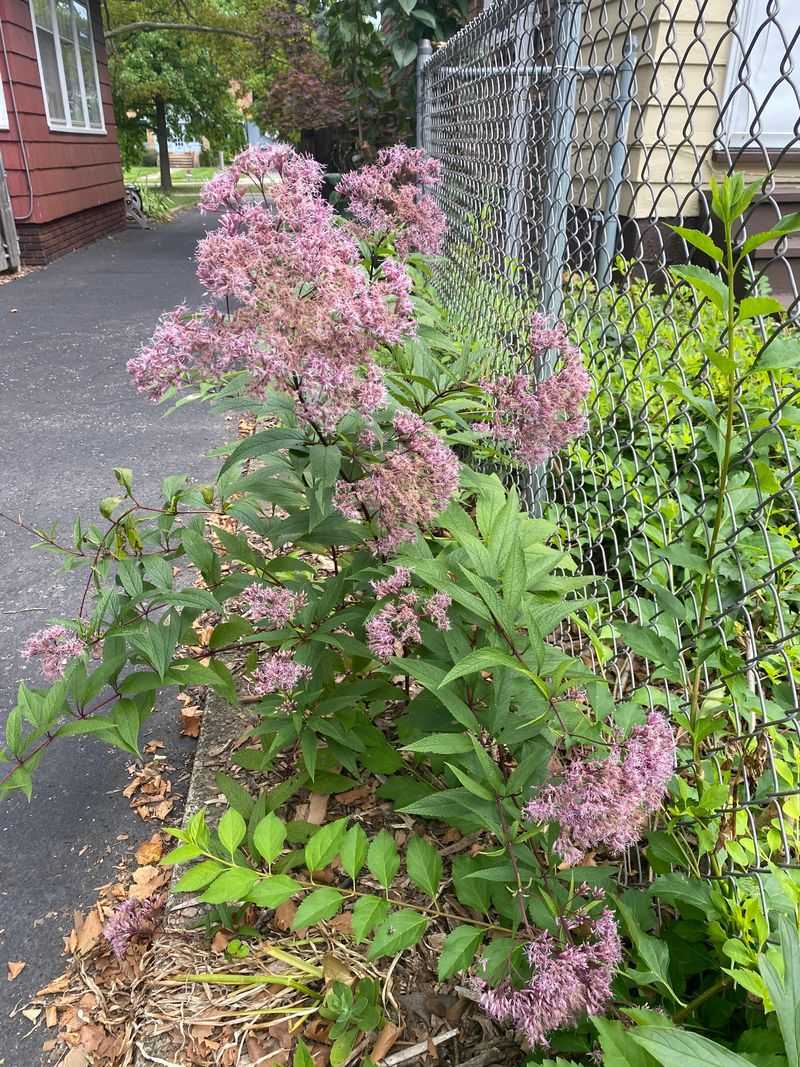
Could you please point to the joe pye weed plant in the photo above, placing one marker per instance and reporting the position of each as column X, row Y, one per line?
column 391, row 615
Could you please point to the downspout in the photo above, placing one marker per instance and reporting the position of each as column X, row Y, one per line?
column 22, row 146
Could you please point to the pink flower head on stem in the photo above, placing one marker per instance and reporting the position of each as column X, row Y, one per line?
column 278, row 672
column 272, row 602
column 132, row 919
column 568, row 981
column 534, row 421
column 389, row 196
column 56, row 646
column 608, row 801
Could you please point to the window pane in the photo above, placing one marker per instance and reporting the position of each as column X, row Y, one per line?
column 72, row 79
column 92, row 99
column 52, row 86
column 41, row 9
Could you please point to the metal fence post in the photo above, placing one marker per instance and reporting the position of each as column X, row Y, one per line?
column 517, row 168
column 424, row 53
column 561, row 108
column 618, row 155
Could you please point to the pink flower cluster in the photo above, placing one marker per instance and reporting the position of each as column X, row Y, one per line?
column 56, row 645
column 389, row 196
column 607, row 802
column 535, row 421
column 305, row 319
column 568, row 981
column 407, row 488
column 397, row 624
column 133, row 918
column 273, row 602
column 278, row 672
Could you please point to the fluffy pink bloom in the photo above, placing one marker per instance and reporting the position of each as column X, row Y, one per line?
column 392, row 585
column 278, row 672
column 273, row 602
column 397, row 624
column 436, row 610
column 389, row 196
column 133, row 918
column 535, row 420
column 607, row 802
column 407, row 489
column 568, row 981
column 302, row 316
column 56, row 645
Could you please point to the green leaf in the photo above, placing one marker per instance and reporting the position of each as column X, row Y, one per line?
column 424, row 865
column 325, row 844
column 232, row 830
column 199, row 876
column 269, row 836
column 482, row 659
column 441, row 744
column 700, row 240
column 232, row 887
column 705, row 283
column 458, row 950
column 236, row 795
column 470, row 784
column 227, row 633
column 781, row 354
column 679, row 1048
column 321, row 904
column 353, row 851
column 407, row 5
column 260, row 444
column 619, row 1049
column 653, row 952
column 431, row 678
column 302, row 1057
column 644, row 641
column 367, row 914
column 397, row 932
column 752, row 307
column 382, row 859
column 274, row 890
column 785, row 990
column 788, row 224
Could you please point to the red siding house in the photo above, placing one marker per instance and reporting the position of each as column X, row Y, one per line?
column 57, row 133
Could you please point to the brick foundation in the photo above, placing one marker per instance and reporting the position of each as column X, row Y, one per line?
column 40, row 244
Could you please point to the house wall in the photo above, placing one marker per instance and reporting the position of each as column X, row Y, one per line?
column 71, row 174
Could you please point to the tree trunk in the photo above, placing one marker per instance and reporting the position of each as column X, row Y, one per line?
column 163, row 143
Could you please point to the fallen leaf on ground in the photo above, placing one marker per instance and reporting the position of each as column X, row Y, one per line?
column 87, row 931
column 317, row 809
column 284, row 915
column 386, row 1040
column 31, row 1014
column 150, row 851
column 76, row 1057
column 220, row 941
column 190, row 721
column 15, row 969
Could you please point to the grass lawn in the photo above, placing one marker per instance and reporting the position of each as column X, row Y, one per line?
column 151, row 176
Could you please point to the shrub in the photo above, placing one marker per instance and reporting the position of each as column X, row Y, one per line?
column 392, row 611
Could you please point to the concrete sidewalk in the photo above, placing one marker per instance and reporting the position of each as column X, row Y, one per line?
column 68, row 414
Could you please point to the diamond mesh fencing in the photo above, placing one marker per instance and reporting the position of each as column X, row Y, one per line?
column 572, row 136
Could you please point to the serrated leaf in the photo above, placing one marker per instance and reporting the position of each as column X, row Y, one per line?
column 232, row 830
column 382, row 859
column 705, row 283
column 232, row 887
column 367, row 914
column 317, row 906
column 679, row 1048
column 199, row 876
column 424, row 865
column 458, row 950
column 399, row 931
column 700, row 240
column 353, row 851
column 269, row 836
column 325, row 844
column 274, row 890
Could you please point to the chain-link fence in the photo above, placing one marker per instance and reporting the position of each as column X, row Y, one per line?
column 573, row 134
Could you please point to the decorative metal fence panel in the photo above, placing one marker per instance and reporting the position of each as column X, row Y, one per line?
column 573, row 134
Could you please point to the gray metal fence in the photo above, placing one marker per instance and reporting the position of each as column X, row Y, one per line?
column 572, row 133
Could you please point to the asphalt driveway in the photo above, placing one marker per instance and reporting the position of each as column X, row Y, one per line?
column 68, row 414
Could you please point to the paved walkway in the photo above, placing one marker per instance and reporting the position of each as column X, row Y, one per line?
column 68, row 414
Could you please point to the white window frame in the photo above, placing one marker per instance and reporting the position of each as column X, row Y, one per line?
column 68, row 126
column 740, row 114
column 4, row 123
